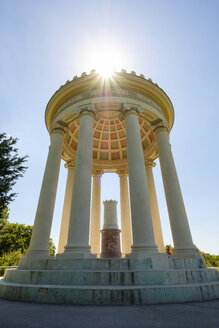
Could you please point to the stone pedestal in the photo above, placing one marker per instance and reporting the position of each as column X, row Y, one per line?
column 135, row 281
column 111, row 243
column 110, row 233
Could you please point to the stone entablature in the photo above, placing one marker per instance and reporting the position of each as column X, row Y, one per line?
column 95, row 96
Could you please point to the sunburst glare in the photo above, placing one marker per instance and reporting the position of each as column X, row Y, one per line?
column 106, row 61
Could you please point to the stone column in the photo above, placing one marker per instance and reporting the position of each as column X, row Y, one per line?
column 125, row 213
column 78, row 235
column 66, row 208
column 95, row 214
column 142, row 228
column 44, row 214
column 158, row 236
column 183, row 244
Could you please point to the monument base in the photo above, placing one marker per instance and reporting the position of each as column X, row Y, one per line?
column 110, row 282
column 111, row 243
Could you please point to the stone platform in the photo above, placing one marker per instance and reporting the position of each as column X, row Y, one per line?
column 110, row 282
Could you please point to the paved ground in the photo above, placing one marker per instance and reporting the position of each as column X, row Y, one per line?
column 22, row 315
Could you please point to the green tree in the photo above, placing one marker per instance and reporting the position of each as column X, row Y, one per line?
column 11, row 168
column 52, row 248
column 16, row 237
column 9, row 259
column 4, row 218
column 210, row 260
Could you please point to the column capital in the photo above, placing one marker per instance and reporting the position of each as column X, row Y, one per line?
column 158, row 126
column 122, row 173
column 88, row 110
column 131, row 109
column 149, row 163
column 69, row 165
column 97, row 173
column 59, row 127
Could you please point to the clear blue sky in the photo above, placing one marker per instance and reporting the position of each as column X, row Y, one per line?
column 45, row 43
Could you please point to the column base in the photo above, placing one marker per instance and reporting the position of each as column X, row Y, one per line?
column 158, row 260
column 143, row 251
column 185, row 252
column 34, row 255
column 190, row 254
column 78, row 252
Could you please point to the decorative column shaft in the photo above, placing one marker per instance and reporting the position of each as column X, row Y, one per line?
column 44, row 214
column 95, row 214
column 78, row 235
column 125, row 214
column 142, row 228
column 158, row 236
column 63, row 236
column 183, row 244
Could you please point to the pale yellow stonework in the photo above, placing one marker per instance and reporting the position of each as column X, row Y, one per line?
column 125, row 213
column 158, row 236
column 95, row 214
column 66, row 209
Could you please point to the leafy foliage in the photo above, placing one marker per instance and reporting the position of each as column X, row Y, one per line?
column 4, row 217
column 16, row 237
column 11, row 168
column 210, row 260
column 10, row 259
column 52, row 248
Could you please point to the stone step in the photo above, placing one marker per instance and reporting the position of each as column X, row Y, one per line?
column 88, row 264
column 109, row 295
column 111, row 277
column 108, row 264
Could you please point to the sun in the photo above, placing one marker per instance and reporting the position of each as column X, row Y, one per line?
column 106, row 61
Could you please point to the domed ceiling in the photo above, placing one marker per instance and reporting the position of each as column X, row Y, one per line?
column 109, row 137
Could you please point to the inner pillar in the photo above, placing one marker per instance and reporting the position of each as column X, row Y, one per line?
column 125, row 213
column 66, row 208
column 95, row 214
column 158, row 236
